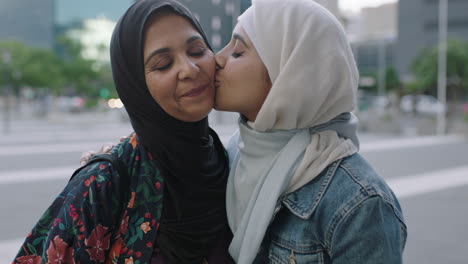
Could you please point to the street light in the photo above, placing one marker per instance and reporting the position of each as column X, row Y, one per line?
column 442, row 66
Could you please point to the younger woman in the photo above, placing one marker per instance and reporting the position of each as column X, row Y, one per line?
column 298, row 191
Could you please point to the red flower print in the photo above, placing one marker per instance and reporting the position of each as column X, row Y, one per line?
column 59, row 252
column 133, row 141
column 31, row 259
column 132, row 201
column 150, row 156
column 123, row 250
column 158, row 185
column 145, row 227
column 153, row 222
column 90, row 180
column 72, row 212
column 116, row 248
column 97, row 243
column 137, row 157
column 157, row 226
column 147, row 215
column 129, row 261
column 57, row 221
column 124, row 224
column 130, row 252
column 102, row 166
column 74, row 215
column 138, row 254
column 149, row 244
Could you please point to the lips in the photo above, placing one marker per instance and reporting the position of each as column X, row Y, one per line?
column 217, row 83
column 196, row 91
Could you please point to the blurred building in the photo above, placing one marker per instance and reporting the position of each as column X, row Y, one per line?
column 94, row 34
column 368, row 53
column 37, row 23
column 28, row 21
column 379, row 22
column 418, row 28
column 217, row 18
column 373, row 33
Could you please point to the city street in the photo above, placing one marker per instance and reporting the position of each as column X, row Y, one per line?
column 428, row 174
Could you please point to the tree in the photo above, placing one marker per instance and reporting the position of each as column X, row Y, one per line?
column 79, row 74
column 30, row 66
column 392, row 81
column 424, row 68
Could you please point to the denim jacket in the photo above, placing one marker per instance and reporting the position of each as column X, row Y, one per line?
column 346, row 215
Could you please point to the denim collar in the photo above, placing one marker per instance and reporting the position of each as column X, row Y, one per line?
column 303, row 202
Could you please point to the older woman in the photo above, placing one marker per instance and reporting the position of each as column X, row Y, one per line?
column 163, row 70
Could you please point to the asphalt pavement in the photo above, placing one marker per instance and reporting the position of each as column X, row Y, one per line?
column 429, row 174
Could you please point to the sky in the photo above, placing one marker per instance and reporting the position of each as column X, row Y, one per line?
column 70, row 10
column 355, row 5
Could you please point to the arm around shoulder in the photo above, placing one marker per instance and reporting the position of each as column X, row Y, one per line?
column 370, row 232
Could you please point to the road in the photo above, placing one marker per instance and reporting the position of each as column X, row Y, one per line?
column 428, row 174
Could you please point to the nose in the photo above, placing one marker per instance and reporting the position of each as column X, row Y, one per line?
column 188, row 69
column 220, row 61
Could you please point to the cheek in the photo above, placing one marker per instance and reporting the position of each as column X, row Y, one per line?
column 208, row 64
column 160, row 88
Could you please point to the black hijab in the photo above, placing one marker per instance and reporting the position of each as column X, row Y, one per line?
column 190, row 155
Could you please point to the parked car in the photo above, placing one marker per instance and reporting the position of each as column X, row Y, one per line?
column 425, row 104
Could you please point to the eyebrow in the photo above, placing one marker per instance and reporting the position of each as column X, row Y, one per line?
column 164, row 50
column 239, row 37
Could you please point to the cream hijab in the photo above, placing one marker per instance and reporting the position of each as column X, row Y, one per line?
column 305, row 123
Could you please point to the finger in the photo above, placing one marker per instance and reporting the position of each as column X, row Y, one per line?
column 86, row 156
column 106, row 148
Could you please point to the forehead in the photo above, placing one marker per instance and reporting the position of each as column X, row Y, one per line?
column 168, row 27
column 239, row 30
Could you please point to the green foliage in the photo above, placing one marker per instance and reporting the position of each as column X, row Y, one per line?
column 392, row 81
column 63, row 72
column 30, row 66
column 424, row 68
column 79, row 73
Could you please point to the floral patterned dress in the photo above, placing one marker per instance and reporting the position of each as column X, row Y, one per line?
column 81, row 225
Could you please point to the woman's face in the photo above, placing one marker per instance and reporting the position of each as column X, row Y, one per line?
column 179, row 68
column 242, row 82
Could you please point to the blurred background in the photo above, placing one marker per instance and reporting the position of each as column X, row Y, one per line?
column 57, row 100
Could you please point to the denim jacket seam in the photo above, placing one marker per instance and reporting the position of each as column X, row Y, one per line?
column 299, row 248
column 306, row 213
column 342, row 215
column 371, row 190
column 364, row 184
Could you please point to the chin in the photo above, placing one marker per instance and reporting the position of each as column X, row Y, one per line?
column 202, row 113
column 219, row 103
column 218, row 106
